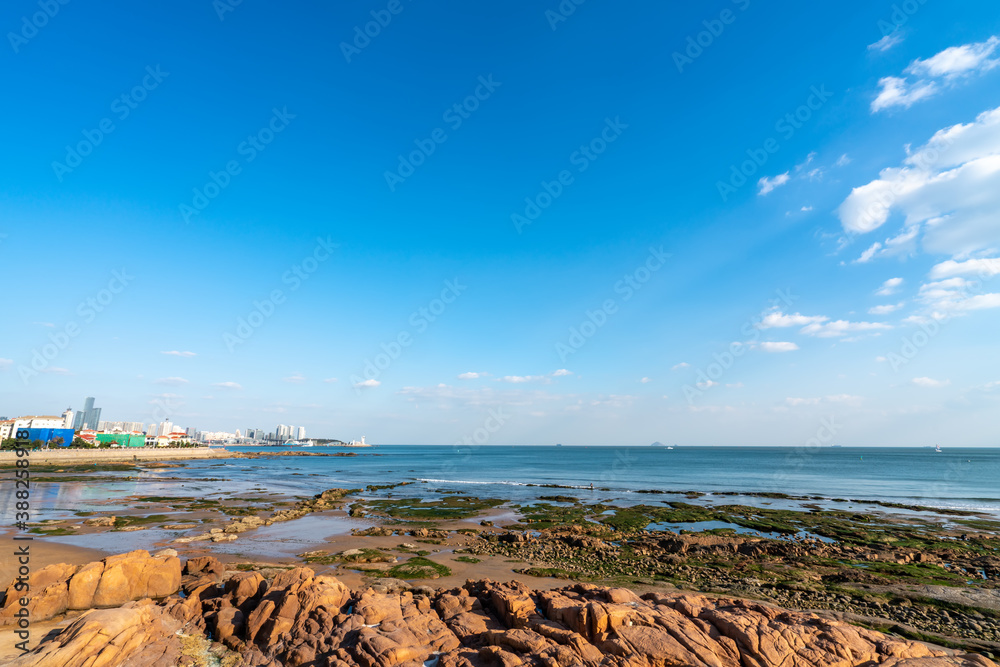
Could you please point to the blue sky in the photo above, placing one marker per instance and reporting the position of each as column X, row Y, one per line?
column 225, row 214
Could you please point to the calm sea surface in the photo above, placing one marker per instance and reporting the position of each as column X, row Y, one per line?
column 955, row 478
column 832, row 477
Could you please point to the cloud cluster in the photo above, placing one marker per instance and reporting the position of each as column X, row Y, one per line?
column 948, row 190
column 931, row 76
column 819, row 326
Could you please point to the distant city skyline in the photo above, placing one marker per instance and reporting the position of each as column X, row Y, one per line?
column 484, row 227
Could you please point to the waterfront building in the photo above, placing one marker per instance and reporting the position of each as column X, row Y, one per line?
column 89, row 417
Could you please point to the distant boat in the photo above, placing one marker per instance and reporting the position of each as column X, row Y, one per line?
column 558, row 444
column 937, row 448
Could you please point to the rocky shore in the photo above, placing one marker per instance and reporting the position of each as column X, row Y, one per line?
column 910, row 575
column 152, row 611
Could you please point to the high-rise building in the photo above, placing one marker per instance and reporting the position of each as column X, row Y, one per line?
column 300, row 432
column 283, row 432
column 89, row 417
column 68, row 418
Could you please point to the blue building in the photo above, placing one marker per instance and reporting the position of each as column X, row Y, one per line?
column 47, row 435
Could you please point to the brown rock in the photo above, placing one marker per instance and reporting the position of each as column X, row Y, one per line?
column 100, row 521
column 138, row 634
column 48, row 594
column 83, row 585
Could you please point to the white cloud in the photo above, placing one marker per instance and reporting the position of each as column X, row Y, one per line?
column 953, row 296
column 562, row 372
column 986, row 268
column 886, row 43
column 981, row 302
column 172, row 381
column 818, row 325
column 767, row 185
column 843, row 160
column 794, row 402
column 54, row 370
column 958, row 60
column 228, row 385
column 681, row 366
column 178, row 353
column 521, row 379
column 934, row 74
column 472, row 375
column 768, row 346
column 707, row 384
column 897, row 92
column 881, row 360
column 889, row 287
column 50, row 325
column 948, row 190
column 775, row 319
column 297, row 378
column 161, row 397
column 806, row 209
column 367, row 384
column 846, row 399
column 842, row 328
column 867, row 255
column 885, row 309
column 5, row 363
column 329, row 380
column 645, row 380
column 929, row 382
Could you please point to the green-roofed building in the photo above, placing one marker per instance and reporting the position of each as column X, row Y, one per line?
column 121, row 439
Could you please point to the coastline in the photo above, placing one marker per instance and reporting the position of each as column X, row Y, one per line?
column 8, row 459
column 925, row 572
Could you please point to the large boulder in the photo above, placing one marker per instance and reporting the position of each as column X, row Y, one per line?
column 111, row 582
column 138, row 634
